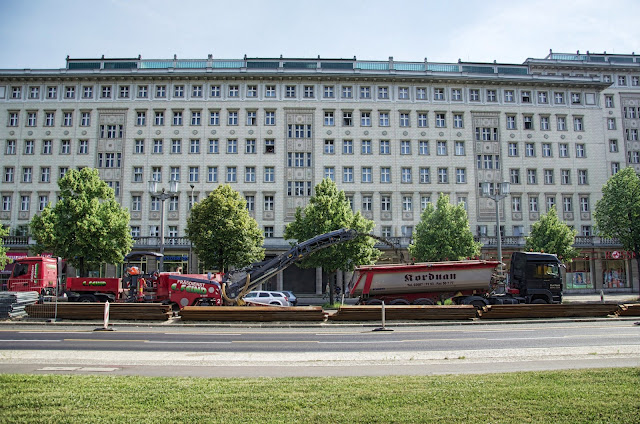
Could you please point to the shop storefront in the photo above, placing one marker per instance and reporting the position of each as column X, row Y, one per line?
column 579, row 276
column 176, row 262
column 614, row 270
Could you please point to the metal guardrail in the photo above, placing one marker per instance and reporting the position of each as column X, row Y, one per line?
column 279, row 243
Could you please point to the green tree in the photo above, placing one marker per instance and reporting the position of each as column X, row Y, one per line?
column 87, row 226
column 443, row 234
column 4, row 259
column 329, row 210
column 223, row 233
column 618, row 212
column 550, row 235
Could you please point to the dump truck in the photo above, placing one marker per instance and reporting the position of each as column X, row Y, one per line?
column 532, row 278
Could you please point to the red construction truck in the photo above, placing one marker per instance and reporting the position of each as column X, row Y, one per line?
column 533, row 278
column 41, row 274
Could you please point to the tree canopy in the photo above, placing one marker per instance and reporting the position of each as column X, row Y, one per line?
column 443, row 234
column 4, row 259
column 618, row 212
column 223, row 233
column 87, row 226
column 550, row 235
column 329, row 210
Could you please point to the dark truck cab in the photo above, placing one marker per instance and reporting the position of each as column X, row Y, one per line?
column 536, row 277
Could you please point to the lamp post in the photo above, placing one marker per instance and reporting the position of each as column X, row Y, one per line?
column 500, row 193
column 162, row 195
column 190, row 242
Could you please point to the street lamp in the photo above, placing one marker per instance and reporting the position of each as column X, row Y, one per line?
column 162, row 195
column 500, row 193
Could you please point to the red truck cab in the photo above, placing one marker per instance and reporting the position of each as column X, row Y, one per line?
column 34, row 273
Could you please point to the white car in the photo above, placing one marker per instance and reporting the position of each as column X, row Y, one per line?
column 267, row 298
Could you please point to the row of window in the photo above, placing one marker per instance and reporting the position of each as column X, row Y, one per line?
column 348, row 119
column 303, row 91
column 442, row 149
column 49, row 118
column 29, row 147
column 367, row 202
column 384, row 174
column 406, row 147
column 386, row 231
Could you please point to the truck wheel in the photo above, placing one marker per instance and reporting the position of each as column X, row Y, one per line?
column 478, row 304
column 373, row 302
column 398, row 302
column 539, row 301
column 423, row 301
column 85, row 298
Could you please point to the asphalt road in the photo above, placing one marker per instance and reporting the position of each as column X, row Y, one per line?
column 337, row 351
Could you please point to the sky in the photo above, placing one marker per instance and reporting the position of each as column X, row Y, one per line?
column 40, row 34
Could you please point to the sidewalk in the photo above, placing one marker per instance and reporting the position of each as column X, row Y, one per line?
column 595, row 298
column 315, row 300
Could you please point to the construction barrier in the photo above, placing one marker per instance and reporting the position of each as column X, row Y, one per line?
column 253, row 313
column 404, row 312
column 95, row 311
column 156, row 311
column 549, row 311
column 629, row 310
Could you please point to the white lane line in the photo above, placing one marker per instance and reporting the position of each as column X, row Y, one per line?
column 58, row 369
column 202, row 334
column 84, row 369
column 371, row 342
column 90, row 369
column 184, row 342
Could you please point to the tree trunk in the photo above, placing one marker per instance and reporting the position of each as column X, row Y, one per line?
column 83, row 268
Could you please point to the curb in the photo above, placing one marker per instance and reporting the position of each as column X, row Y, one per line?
column 174, row 323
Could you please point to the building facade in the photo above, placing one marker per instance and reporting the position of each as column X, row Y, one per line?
column 393, row 135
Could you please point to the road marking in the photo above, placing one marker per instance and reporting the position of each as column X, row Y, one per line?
column 371, row 342
column 104, row 340
column 276, row 341
column 84, row 369
column 203, row 334
column 58, row 369
column 89, row 369
column 185, row 342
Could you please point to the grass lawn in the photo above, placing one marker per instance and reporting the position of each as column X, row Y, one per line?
column 577, row 396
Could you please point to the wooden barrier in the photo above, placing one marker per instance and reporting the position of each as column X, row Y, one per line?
column 95, row 311
column 157, row 311
column 629, row 310
column 549, row 311
column 253, row 313
column 405, row 312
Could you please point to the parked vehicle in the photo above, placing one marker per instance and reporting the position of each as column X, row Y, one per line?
column 534, row 278
column 41, row 274
column 293, row 300
column 267, row 298
column 177, row 289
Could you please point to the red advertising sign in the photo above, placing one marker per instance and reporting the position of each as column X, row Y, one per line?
column 619, row 254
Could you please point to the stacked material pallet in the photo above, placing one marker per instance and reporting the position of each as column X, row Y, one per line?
column 253, row 313
column 629, row 310
column 549, row 311
column 405, row 312
column 95, row 311
column 12, row 304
